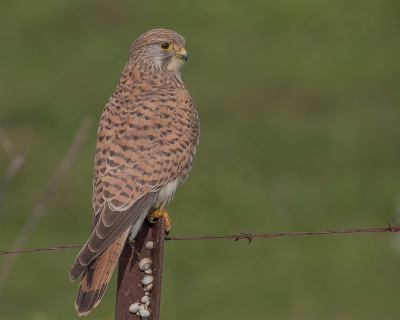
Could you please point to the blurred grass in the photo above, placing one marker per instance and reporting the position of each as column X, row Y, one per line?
column 299, row 107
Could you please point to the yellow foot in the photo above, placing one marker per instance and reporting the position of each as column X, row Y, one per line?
column 155, row 213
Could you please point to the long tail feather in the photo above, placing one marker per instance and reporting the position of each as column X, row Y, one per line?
column 97, row 276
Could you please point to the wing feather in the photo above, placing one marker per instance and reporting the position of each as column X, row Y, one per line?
column 105, row 233
column 95, row 280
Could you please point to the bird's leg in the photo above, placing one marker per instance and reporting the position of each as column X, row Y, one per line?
column 155, row 213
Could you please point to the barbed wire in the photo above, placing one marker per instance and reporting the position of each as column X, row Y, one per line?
column 249, row 236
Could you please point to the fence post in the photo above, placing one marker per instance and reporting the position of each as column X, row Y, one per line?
column 149, row 243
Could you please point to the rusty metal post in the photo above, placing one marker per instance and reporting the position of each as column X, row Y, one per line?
column 130, row 289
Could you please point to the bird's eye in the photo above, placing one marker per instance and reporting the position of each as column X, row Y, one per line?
column 166, row 46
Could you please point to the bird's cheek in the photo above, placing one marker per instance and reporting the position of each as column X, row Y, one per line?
column 176, row 64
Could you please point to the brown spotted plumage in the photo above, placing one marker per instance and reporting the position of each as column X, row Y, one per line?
column 147, row 138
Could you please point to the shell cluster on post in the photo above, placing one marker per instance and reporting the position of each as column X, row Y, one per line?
column 141, row 309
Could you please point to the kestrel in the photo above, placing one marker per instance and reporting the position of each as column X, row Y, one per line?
column 146, row 141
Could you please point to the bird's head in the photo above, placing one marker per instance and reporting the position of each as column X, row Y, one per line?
column 159, row 48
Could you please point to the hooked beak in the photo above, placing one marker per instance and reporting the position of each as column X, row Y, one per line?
column 182, row 53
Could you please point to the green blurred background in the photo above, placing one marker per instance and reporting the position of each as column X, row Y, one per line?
column 299, row 107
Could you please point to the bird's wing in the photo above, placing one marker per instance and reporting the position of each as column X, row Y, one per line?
column 151, row 145
column 110, row 226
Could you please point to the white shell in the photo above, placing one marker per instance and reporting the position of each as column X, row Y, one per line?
column 148, row 271
column 147, row 280
column 149, row 245
column 145, row 264
column 149, row 287
column 143, row 312
column 147, row 303
column 145, row 299
column 133, row 308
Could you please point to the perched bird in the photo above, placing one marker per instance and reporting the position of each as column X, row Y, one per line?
column 146, row 141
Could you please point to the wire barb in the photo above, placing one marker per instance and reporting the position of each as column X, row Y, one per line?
column 248, row 236
column 395, row 227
